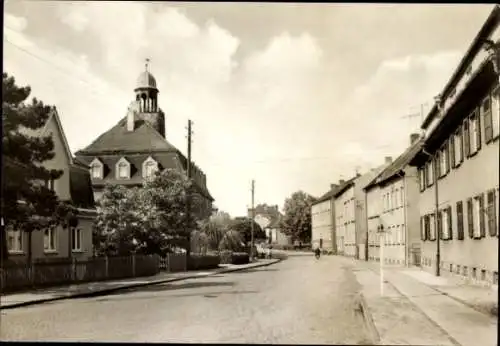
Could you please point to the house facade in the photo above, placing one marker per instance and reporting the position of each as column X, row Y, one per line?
column 393, row 203
column 136, row 147
column 323, row 221
column 73, row 186
column 345, row 218
column 269, row 219
column 459, row 167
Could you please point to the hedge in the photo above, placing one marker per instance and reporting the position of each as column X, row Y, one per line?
column 229, row 257
column 201, row 262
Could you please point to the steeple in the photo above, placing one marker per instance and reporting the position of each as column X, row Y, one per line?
column 146, row 103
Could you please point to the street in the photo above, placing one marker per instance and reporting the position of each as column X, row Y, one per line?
column 300, row 300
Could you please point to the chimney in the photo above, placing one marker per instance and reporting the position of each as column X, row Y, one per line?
column 341, row 181
column 333, row 186
column 388, row 159
column 414, row 137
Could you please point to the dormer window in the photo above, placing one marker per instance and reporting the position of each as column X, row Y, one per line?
column 149, row 167
column 96, row 169
column 122, row 169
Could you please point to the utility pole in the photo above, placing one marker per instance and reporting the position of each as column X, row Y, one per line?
column 188, row 199
column 252, row 221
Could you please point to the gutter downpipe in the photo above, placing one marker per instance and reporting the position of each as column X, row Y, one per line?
column 366, row 225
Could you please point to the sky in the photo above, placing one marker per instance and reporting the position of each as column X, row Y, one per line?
column 295, row 96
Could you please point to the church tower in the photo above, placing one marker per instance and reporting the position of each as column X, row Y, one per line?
column 145, row 107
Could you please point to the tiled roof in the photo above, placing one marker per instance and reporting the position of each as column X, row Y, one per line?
column 326, row 196
column 342, row 188
column 118, row 138
column 398, row 165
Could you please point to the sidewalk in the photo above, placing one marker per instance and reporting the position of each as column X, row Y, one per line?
column 418, row 308
column 90, row 289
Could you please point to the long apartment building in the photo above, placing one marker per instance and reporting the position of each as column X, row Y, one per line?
column 392, row 202
column 458, row 167
column 323, row 221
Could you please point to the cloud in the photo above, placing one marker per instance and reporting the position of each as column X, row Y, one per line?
column 275, row 115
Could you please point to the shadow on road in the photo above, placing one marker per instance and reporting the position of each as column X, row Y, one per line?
column 178, row 286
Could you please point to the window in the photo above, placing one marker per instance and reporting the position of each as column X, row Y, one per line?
column 485, row 110
column 476, row 218
column 491, row 213
column 466, row 137
column 421, row 176
column 76, row 239
column 458, row 147
column 424, row 227
column 495, row 112
column 432, row 227
column 123, row 170
column 49, row 240
column 475, row 133
column 444, row 161
column 95, row 171
column 446, row 225
column 429, row 173
column 460, row 220
column 402, row 197
column 149, row 169
column 14, row 241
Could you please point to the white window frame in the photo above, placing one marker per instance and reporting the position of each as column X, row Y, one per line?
column 149, row 162
column 123, row 163
column 422, row 178
column 429, row 174
column 473, row 129
column 50, row 239
column 495, row 112
column 432, row 227
column 17, row 246
column 476, row 214
column 445, row 224
column 458, row 148
column 443, row 158
column 76, row 239
column 96, row 169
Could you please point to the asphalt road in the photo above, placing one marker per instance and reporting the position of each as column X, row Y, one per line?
column 299, row 300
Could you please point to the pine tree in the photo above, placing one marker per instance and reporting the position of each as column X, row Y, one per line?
column 27, row 202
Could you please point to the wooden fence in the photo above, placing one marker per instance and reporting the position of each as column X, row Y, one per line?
column 22, row 276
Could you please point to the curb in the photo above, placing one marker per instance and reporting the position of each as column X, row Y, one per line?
column 368, row 319
column 130, row 286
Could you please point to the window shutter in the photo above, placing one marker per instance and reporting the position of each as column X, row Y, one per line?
column 447, row 153
column 460, row 220
column 450, row 224
column 422, row 228
column 439, row 230
column 427, row 228
column 466, row 138
column 437, row 162
column 482, row 223
column 478, row 131
column 452, row 151
column 492, row 211
column 469, row 218
column 488, row 126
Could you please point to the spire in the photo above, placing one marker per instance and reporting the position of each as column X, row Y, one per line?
column 147, row 64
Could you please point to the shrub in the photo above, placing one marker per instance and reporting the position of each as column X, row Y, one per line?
column 201, row 262
column 226, row 257
column 240, row 258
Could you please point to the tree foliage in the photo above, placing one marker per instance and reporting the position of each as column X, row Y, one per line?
column 244, row 226
column 151, row 219
column 297, row 218
column 27, row 201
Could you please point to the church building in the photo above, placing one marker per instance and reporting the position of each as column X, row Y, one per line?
column 136, row 147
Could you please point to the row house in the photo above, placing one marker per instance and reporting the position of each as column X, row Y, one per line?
column 392, row 199
column 345, row 218
column 73, row 186
column 458, row 167
column 323, row 221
